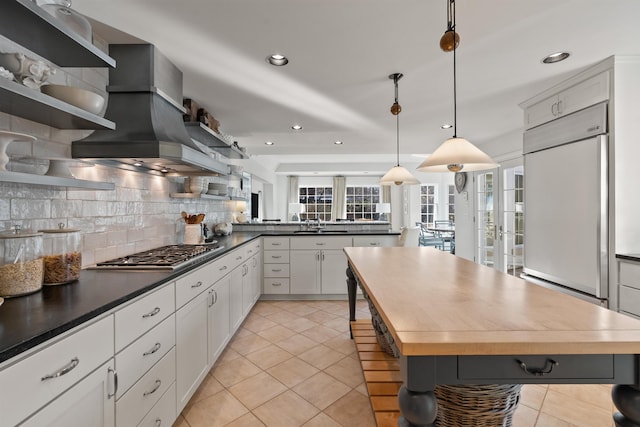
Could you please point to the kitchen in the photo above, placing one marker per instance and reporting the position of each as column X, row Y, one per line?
column 139, row 214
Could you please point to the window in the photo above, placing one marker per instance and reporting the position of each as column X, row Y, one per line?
column 361, row 202
column 428, row 197
column 317, row 202
column 451, row 214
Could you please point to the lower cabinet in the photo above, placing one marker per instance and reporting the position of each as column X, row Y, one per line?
column 304, row 272
column 318, row 264
column 629, row 286
column 333, row 271
column 90, row 403
column 235, row 297
column 192, row 349
column 219, row 318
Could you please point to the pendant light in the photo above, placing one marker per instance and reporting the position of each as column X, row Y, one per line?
column 397, row 175
column 455, row 154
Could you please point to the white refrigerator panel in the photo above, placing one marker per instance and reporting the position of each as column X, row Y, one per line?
column 565, row 215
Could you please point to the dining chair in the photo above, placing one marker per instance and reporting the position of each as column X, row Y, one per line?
column 429, row 238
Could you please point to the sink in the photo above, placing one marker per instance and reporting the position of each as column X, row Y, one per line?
column 320, row 231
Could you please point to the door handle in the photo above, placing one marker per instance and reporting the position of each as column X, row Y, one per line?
column 500, row 233
column 113, row 372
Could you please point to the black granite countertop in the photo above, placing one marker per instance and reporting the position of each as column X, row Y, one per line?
column 629, row 257
column 30, row 320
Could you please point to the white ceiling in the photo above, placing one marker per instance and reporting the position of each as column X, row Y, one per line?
column 341, row 52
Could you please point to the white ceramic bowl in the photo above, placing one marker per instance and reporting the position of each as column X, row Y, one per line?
column 81, row 98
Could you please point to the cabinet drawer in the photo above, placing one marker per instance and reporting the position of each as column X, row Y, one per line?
column 136, row 359
column 276, row 285
column 33, row 381
column 595, row 366
column 276, row 270
column 236, row 258
column 321, row 242
column 135, row 403
column 275, row 243
column 164, row 412
column 251, row 249
column 375, row 240
column 276, row 257
column 629, row 274
column 137, row 318
column 630, row 300
column 192, row 284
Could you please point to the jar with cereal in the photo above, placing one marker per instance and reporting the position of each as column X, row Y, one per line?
column 62, row 255
column 21, row 262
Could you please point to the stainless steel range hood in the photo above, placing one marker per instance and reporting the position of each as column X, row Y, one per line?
column 145, row 93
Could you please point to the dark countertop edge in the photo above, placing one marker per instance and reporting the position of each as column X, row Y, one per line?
column 629, row 257
column 230, row 243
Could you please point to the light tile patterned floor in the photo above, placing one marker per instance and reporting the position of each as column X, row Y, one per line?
column 292, row 363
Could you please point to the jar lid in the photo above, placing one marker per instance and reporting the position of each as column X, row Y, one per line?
column 60, row 229
column 18, row 233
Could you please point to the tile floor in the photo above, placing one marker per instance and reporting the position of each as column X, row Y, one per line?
column 292, row 363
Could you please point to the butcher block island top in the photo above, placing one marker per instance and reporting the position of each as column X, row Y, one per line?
column 436, row 304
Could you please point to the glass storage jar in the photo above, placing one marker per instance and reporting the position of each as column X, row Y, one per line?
column 62, row 255
column 22, row 265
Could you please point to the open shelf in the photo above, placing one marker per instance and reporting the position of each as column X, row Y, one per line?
column 206, row 136
column 30, row 26
column 19, row 100
column 203, row 196
column 56, row 181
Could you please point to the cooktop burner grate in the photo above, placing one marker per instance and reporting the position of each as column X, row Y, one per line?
column 169, row 257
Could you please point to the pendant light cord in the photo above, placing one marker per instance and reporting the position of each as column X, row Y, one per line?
column 452, row 22
column 397, row 139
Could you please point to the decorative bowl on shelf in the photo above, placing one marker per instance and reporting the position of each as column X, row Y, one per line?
column 81, row 98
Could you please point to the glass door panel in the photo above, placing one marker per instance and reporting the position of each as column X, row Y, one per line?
column 511, row 228
column 485, row 224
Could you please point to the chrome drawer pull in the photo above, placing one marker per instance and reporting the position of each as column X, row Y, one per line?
column 152, row 313
column 158, row 422
column 115, row 383
column 320, row 244
column 238, row 257
column 153, row 350
column 197, row 285
column 276, row 244
column 276, row 269
column 64, row 370
column 158, row 384
column 276, row 284
column 276, row 256
column 539, row 372
column 223, row 268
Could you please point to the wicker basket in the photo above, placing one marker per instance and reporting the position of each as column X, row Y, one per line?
column 489, row 405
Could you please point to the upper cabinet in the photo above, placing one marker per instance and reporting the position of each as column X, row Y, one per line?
column 25, row 23
column 566, row 101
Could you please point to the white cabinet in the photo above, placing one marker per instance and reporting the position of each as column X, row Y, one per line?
column 235, row 297
column 251, row 276
column 146, row 392
column 192, row 349
column 90, row 403
column 629, row 286
column 375, row 240
column 219, row 319
column 574, row 98
column 318, row 264
column 43, row 376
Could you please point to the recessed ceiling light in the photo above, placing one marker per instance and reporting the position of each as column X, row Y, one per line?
column 338, row 142
column 268, row 143
column 277, row 60
column 446, row 126
column 296, row 127
column 555, row 57
column 137, row 164
column 164, row 170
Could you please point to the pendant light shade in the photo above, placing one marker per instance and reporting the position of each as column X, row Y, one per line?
column 455, row 154
column 397, row 175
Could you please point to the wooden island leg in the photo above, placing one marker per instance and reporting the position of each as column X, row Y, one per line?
column 351, row 289
column 627, row 400
column 418, row 404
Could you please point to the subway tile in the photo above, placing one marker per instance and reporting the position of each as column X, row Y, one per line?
column 27, row 209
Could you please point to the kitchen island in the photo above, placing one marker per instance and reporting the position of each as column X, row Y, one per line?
column 455, row 322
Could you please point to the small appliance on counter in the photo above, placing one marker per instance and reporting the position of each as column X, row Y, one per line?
column 62, row 255
column 21, row 262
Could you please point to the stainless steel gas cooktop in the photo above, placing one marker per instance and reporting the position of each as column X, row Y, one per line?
column 171, row 257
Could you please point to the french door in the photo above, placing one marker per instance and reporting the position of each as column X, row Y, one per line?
column 500, row 217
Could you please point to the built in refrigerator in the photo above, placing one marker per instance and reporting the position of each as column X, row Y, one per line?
column 566, row 204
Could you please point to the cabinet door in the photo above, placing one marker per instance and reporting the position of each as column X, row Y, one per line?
column 90, row 403
column 584, row 94
column 334, row 276
column 542, row 112
column 247, row 287
column 219, row 329
column 191, row 347
column 257, row 276
column 304, row 272
column 235, row 298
